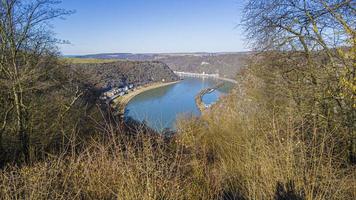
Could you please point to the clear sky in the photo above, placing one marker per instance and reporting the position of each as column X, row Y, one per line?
column 151, row 26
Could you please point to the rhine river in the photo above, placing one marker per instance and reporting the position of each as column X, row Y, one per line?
column 160, row 107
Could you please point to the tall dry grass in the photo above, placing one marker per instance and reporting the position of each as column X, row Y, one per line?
column 272, row 159
column 119, row 168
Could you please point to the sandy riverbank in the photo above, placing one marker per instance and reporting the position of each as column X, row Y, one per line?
column 124, row 100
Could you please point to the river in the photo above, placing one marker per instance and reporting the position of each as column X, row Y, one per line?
column 160, row 107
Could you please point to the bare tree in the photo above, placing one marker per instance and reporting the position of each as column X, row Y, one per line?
column 299, row 24
column 316, row 43
column 26, row 47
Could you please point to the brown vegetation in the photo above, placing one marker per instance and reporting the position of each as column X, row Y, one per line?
column 286, row 132
column 119, row 72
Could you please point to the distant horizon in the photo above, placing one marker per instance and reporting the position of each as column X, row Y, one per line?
column 198, row 52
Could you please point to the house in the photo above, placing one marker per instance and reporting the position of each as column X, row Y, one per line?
column 126, row 88
column 109, row 93
column 112, row 92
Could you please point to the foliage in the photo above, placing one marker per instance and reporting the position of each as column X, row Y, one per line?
column 42, row 100
column 116, row 168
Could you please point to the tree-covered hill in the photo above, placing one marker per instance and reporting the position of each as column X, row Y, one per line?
column 226, row 64
column 120, row 72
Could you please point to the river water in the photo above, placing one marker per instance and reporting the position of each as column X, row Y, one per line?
column 160, row 107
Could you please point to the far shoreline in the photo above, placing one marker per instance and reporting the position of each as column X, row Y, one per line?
column 124, row 100
column 227, row 79
column 203, row 75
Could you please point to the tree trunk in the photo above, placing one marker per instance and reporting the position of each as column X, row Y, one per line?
column 2, row 154
column 20, row 123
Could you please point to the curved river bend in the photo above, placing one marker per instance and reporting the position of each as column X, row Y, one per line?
column 160, row 107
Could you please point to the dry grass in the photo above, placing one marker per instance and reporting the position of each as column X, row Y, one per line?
column 270, row 159
column 143, row 168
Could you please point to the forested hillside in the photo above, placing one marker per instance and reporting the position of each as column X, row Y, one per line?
column 225, row 64
column 118, row 72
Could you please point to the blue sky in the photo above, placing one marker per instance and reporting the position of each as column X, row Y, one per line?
column 151, row 26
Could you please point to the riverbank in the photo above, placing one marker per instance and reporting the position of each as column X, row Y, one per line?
column 227, row 79
column 121, row 102
column 199, row 98
column 203, row 75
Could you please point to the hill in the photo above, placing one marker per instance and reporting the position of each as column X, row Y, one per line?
column 125, row 56
column 118, row 72
column 226, row 64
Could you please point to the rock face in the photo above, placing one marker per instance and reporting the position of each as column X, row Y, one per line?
column 122, row 72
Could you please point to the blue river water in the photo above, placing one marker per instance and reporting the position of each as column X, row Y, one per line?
column 160, row 107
